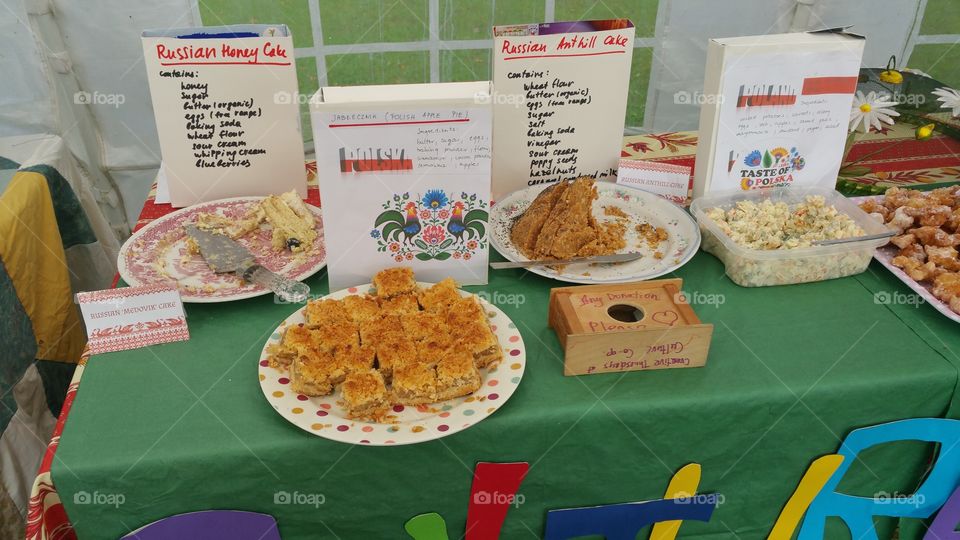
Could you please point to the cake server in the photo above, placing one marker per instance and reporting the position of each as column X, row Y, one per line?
column 226, row 255
column 619, row 257
column 834, row 242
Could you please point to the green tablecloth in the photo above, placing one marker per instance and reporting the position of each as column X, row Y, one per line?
column 183, row 427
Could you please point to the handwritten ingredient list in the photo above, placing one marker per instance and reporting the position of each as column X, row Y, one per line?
column 560, row 101
column 226, row 110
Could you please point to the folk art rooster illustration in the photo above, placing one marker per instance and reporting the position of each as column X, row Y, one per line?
column 431, row 227
column 472, row 223
column 396, row 223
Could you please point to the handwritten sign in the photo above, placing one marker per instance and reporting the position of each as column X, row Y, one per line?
column 225, row 100
column 405, row 175
column 132, row 317
column 779, row 110
column 672, row 182
column 560, row 102
column 627, row 327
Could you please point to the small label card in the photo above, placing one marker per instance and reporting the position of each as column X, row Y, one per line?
column 667, row 180
column 132, row 317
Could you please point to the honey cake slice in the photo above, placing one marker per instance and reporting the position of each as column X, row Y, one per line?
column 440, row 296
column 423, row 324
column 326, row 311
column 365, row 394
column 399, row 305
column 415, row 384
column 374, row 330
column 394, row 281
column 315, row 374
column 361, row 308
column 457, row 375
column 395, row 351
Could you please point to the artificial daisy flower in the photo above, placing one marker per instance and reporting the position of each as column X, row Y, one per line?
column 871, row 110
column 950, row 99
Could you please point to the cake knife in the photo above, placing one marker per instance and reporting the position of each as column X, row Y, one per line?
column 226, row 255
column 619, row 257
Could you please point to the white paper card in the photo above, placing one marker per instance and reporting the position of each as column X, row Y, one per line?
column 405, row 180
column 226, row 106
column 163, row 187
column 132, row 317
column 672, row 182
column 560, row 101
column 780, row 111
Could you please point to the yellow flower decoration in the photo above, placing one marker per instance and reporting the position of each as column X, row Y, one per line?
column 924, row 132
column 891, row 76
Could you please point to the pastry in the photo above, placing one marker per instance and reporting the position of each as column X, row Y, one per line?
column 457, row 375
column 394, row 281
column 440, row 296
column 361, row 308
column 315, row 374
column 400, row 304
column 365, row 394
column 415, row 384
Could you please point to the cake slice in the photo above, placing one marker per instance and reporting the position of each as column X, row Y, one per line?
column 297, row 339
column 315, row 374
column 372, row 332
column 361, row 308
column 526, row 229
column 326, row 311
column 477, row 339
column 333, row 336
column 464, row 311
column 432, row 349
column 365, row 394
column 457, row 375
column 440, row 296
column 395, row 351
column 353, row 358
column 292, row 222
column 422, row 324
column 570, row 225
column 415, row 384
column 399, row 304
column 394, row 281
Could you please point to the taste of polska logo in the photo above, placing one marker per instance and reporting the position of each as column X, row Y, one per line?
column 433, row 226
column 768, row 168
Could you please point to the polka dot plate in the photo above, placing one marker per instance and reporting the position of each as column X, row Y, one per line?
column 324, row 417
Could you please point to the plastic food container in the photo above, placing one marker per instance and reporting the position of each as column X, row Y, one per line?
column 758, row 268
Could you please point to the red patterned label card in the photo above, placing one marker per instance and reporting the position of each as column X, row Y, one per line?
column 132, row 317
column 669, row 181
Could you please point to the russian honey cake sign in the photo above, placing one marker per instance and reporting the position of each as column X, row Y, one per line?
column 560, row 101
column 404, row 174
column 228, row 119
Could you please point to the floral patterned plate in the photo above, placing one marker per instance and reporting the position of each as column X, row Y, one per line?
column 639, row 206
column 324, row 417
column 157, row 254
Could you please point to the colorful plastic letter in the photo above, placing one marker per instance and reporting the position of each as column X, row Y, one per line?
column 427, row 527
column 810, row 485
column 624, row 521
column 212, row 525
column 683, row 484
column 944, row 527
column 493, row 491
column 858, row 512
